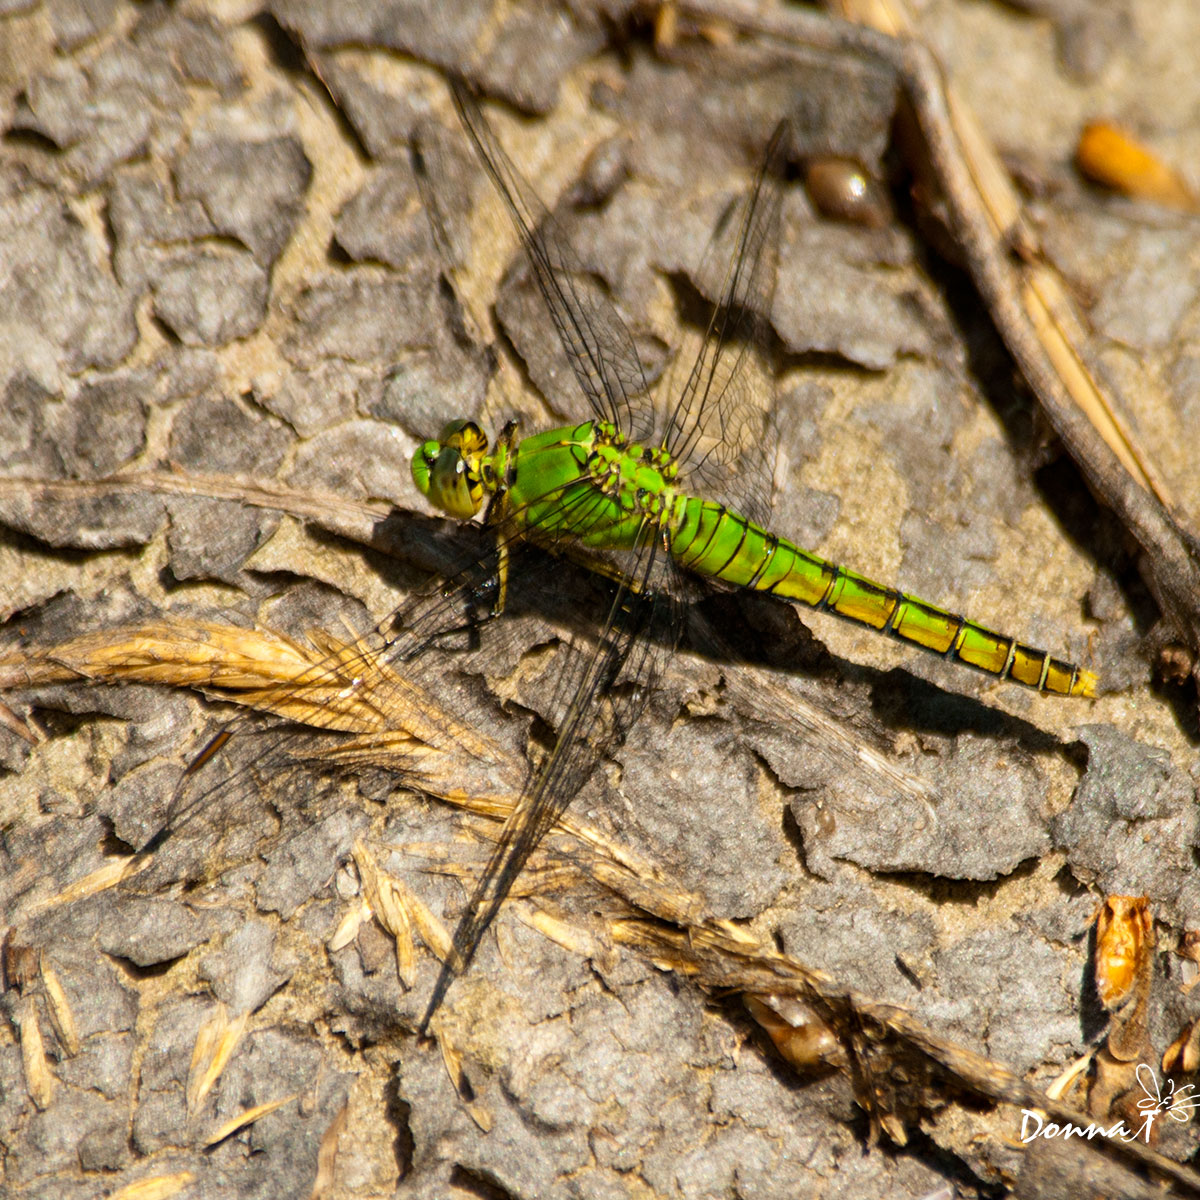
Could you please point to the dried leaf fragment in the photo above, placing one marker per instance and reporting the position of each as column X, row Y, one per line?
column 22, row 728
column 1182, row 1056
column 96, row 881
column 1123, row 969
column 327, row 1154
column 1189, row 950
column 156, row 1187
column 19, row 962
column 348, row 926
column 800, row 1035
column 216, row 1041
column 1124, row 948
column 388, row 900
column 452, row 1061
column 247, row 1117
column 39, row 1079
column 570, row 937
column 1063, row 1084
column 61, row 1016
column 1111, row 156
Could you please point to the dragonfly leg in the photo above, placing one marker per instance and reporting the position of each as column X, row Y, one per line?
column 501, row 576
column 497, row 511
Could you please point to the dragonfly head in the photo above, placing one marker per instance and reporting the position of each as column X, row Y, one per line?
column 449, row 471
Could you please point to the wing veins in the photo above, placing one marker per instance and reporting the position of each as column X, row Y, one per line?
column 571, row 762
column 598, row 345
column 401, row 637
column 747, row 290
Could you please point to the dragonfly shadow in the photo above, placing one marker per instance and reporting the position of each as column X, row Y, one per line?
column 727, row 627
column 756, row 631
column 903, row 702
column 422, row 549
column 418, row 546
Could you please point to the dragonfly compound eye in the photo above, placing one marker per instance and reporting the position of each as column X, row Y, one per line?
column 453, row 486
column 422, row 465
column 448, row 472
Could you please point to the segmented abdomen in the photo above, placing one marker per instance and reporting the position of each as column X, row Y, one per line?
column 709, row 539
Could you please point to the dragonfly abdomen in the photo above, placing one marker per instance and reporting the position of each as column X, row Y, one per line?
column 709, row 539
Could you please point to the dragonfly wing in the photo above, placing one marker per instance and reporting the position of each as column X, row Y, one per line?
column 721, row 416
column 597, row 714
column 389, row 699
column 399, row 700
column 598, row 344
column 601, row 692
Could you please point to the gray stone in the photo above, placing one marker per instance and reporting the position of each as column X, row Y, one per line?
column 302, row 866
column 1132, row 825
column 211, row 296
column 250, row 190
column 105, row 110
column 153, row 931
column 59, row 290
column 243, row 973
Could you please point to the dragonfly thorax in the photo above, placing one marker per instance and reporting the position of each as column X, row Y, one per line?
column 639, row 478
column 455, row 471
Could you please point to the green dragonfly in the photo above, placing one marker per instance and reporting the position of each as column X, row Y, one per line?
column 655, row 492
column 649, row 489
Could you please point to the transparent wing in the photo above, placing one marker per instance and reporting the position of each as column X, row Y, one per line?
column 395, row 698
column 406, row 680
column 720, row 426
column 604, row 681
column 598, row 696
column 720, row 412
column 596, row 713
column 401, row 699
column 598, row 345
